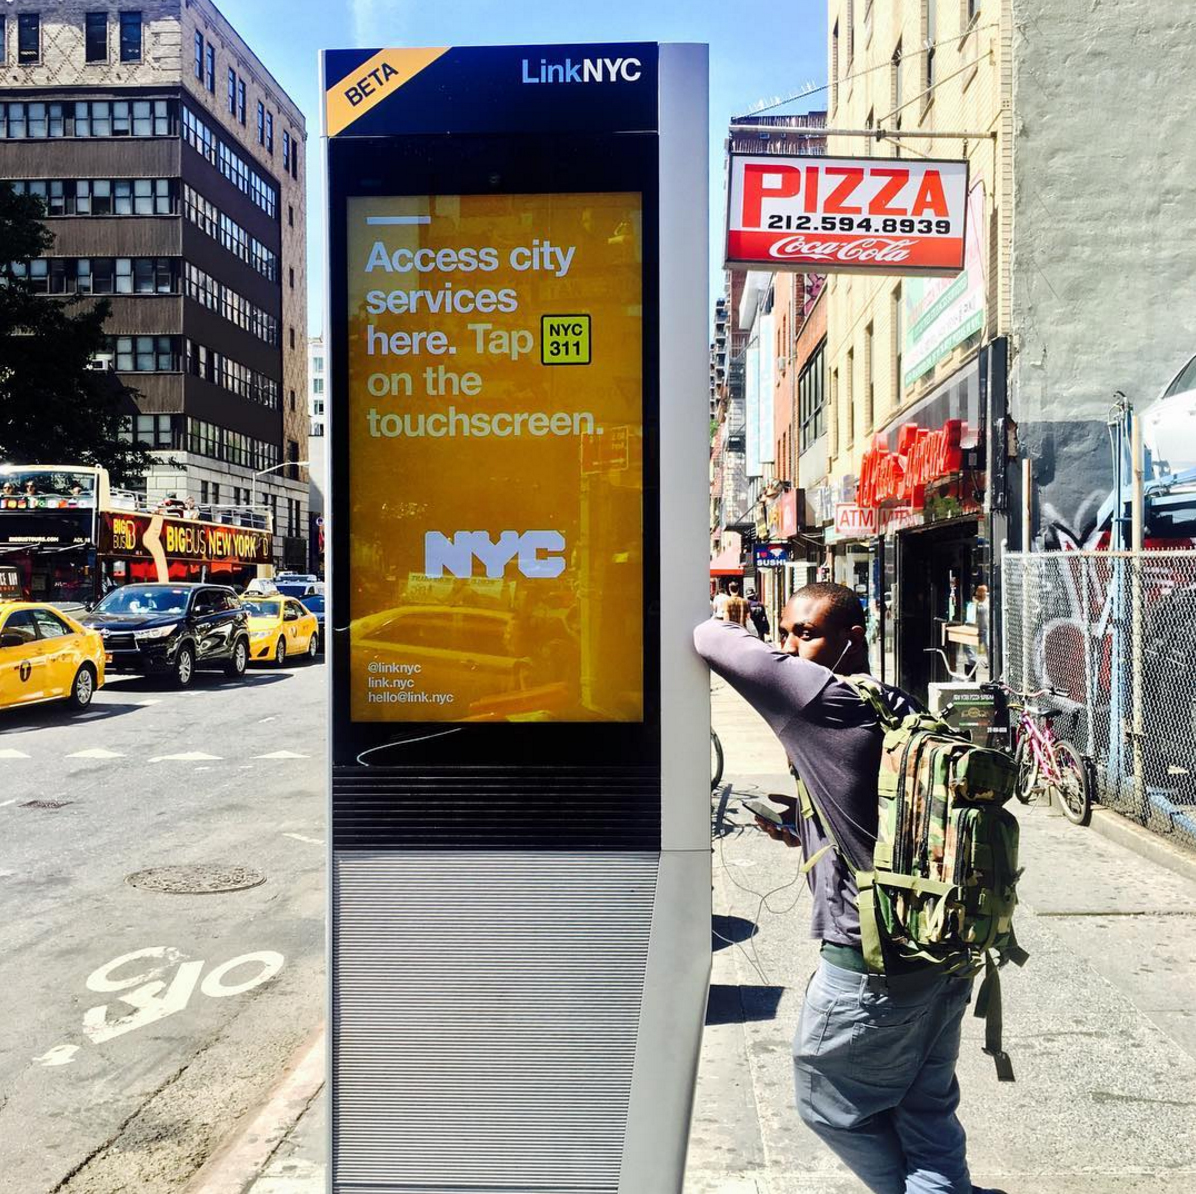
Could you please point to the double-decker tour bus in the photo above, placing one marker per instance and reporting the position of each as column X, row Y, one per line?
column 67, row 537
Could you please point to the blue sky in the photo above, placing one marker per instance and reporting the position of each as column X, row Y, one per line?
column 756, row 56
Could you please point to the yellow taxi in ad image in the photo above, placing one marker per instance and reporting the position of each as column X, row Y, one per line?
column 281, row 627
column 45, row 655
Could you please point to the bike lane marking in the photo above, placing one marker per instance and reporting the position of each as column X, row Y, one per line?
column 153, row 992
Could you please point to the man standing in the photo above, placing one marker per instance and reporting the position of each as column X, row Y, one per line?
column 736, row 609
column 874, row 1057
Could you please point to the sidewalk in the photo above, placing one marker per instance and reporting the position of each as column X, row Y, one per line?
column 1100, row 1024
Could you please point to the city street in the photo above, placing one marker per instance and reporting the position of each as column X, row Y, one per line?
column 140, row 1022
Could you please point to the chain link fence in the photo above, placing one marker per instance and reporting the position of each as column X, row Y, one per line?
column 1116, row 632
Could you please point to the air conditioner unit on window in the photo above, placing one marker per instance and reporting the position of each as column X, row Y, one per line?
column 102, row 362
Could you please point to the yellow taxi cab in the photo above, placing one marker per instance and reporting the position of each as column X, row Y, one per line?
column 280, row 626
column 45, row 655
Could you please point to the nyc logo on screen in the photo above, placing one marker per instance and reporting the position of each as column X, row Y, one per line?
column 537, row 554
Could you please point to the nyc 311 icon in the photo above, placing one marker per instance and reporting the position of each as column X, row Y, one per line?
column 564, row 339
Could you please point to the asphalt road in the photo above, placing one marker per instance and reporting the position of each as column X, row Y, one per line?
column 120, row 1075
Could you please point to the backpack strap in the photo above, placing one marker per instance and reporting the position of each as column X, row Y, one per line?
column 871, row 693
column 866, row 895
column 988, row 1007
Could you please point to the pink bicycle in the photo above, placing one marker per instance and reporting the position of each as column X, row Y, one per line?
column 1047, row 765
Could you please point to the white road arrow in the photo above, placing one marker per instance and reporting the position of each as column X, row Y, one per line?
column 193, row 756
column 97, row 753
column 13, row 754
column 282, row 754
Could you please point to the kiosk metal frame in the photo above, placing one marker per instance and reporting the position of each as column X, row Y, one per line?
column 519, row 932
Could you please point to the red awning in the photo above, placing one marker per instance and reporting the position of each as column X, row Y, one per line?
column 726, row 563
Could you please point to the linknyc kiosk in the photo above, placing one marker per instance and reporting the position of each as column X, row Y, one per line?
column 520, row 842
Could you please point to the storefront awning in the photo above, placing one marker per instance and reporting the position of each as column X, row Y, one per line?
column 726, row 563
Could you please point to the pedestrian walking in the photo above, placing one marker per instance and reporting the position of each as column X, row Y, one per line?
column 874, row 1056
column 758, row 615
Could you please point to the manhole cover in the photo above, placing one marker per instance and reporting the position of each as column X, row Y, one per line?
column 46, row 803
column 204, row 879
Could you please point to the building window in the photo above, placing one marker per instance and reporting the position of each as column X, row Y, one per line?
column 290, row 216
column 29, row 37
column 928, row 25
column 232, row 91
column 292, row 337
column 3, row 38
column 231, row 164
column 130, row 36
column 317, row 364
column 147, row 354
column 849, row 396
column 261, row 123
column 269, row 132
column 199, row 55
column 971, row 8
column 292, row 400
column 295, row 158
column 95, row 36
column 241, row 101
column 286, row 150
column 317, row 385
column 155, row 431
column 209, row 69
column 869, row 392
column 291, row 277
column 833, row 420
column 102, row 196
column 811, row 398
column 835, row 66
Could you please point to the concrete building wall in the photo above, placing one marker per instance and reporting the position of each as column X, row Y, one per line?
column 62, row 44
column 1104, row 235
column 971, row 95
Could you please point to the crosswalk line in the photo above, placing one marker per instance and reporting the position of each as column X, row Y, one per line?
column 13, row 754
column 193, row 756
column 282, row 754
column 97, row 753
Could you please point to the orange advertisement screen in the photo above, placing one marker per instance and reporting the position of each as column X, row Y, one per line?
column 495, row 394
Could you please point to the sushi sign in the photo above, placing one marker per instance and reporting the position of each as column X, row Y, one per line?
column 846, row 215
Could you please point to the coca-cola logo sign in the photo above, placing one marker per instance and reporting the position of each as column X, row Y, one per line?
column 868, row 249
column 866, row 215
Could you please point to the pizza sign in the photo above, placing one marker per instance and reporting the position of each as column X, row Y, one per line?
column 846, row 215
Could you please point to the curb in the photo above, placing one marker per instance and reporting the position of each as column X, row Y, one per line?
column 242, row 1157
column 1116, row 828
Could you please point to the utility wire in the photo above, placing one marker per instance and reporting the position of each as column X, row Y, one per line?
column 924, row 94
column 860, row 74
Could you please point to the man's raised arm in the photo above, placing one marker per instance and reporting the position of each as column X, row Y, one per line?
column 775, row 684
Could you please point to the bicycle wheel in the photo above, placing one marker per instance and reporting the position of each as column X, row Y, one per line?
column 1071, row 784
column 716, row 760
column 1027, row 771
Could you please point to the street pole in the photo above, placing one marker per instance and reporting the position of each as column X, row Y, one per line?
column 1137, row 515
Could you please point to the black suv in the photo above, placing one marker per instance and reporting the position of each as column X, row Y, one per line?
column 172, row 630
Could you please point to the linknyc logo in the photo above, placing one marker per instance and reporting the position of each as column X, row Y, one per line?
column 587, row 70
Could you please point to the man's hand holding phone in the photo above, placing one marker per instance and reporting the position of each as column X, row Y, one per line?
column 777, row 816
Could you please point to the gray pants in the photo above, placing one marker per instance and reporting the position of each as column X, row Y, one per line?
column 875, row 1077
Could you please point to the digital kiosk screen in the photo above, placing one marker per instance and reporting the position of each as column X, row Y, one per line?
column 496, row 457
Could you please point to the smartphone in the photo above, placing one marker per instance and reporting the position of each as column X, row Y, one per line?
column 783, row 817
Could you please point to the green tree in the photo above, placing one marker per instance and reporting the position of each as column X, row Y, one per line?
column 54, row 408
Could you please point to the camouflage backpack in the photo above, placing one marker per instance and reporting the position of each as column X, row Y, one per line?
column 943, row 883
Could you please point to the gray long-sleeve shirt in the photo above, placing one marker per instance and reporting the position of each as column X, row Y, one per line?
column 834, row 743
